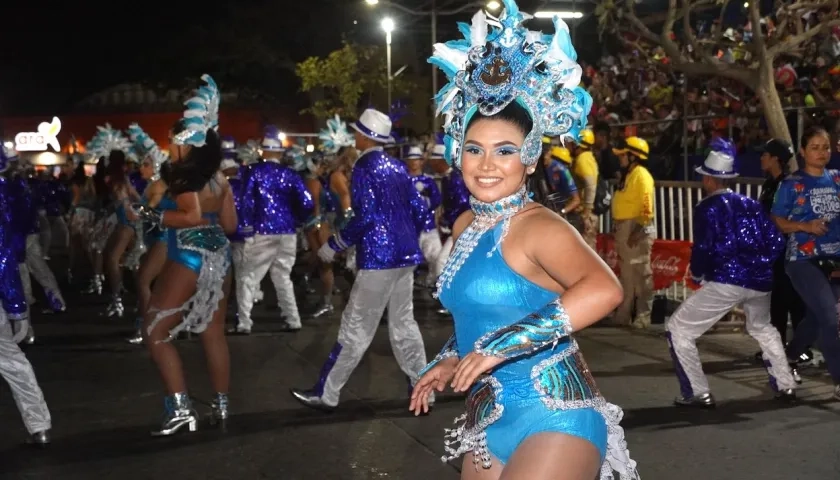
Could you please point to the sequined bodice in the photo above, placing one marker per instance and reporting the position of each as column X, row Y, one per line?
column 485, row 295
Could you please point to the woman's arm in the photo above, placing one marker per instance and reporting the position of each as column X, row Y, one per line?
column 341, row 187
column 187, row 215
column 591, row 289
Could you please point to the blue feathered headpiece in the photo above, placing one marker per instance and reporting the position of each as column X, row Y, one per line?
column 248, row 152
column 296, row 158
column 147, row 148
column 336, row 136
column 202, row 114
column 106, row 140
column 499, row 62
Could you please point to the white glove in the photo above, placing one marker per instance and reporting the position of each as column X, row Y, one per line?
column 19, row 330
column 326, row 253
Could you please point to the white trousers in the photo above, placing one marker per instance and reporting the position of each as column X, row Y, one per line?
column 701, row 311
column 50, row 225
column 431, row 247
column 373, row 290
column 273, row 254
column 36, row 266
column 17, row 371
column 443, row 255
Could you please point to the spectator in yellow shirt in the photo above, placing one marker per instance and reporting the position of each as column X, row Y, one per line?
column 633, row 217
column 585, row 170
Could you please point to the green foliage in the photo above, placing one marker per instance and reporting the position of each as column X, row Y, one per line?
column 347, row 77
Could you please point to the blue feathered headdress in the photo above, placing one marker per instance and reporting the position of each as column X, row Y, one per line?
column 106, row 140
column 336, row 136
column 499, row 62
column 296, row 157
column 248, row 152
column 147, row 148
column 202, row 114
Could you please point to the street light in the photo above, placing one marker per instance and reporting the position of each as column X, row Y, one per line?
column 433, row 12
column 562, row 14
column 388, row 27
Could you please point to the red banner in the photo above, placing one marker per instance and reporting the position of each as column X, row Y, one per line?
column 669, row 260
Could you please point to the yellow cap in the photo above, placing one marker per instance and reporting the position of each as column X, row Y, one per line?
column 562, row 153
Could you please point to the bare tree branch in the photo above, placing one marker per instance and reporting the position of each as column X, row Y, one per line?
column 794, row 42
column 708, row 66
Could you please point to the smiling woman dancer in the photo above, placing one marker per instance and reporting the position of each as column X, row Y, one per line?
column 533, row 409
column 191, row 290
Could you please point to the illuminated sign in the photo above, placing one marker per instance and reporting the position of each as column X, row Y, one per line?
column 38, row 141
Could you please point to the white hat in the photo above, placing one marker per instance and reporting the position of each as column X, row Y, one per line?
column 414, row 152
column 272, row 140
column 718, row 164
column 374, row 125
column 228, row 163
column 438, row 151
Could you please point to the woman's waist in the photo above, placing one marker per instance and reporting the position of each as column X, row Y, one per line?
column 210, row 237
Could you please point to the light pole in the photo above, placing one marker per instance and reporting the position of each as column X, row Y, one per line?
column 388, row 26
column 433, row 12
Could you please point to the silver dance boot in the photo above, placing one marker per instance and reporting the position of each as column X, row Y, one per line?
column 95, row 286
column 178, row 412
column 219, row 413
column 115, row 308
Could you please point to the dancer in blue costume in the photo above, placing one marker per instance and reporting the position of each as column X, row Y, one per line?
column 430, row 237
column 533, row 409
column 111, row 145
column 25, row 229
column 14, row 325
column 191, row 291
column 275, row 202
column 153, row 237
column 334, row 210
column 386, row 231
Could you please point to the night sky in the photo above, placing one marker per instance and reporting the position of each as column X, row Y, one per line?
column 55, row 54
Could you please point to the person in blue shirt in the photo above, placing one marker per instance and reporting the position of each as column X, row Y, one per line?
column 807, row 209
column 560, row 179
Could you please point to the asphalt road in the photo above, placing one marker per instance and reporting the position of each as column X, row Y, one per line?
column 105, row 396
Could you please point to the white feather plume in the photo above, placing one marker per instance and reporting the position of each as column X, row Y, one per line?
column 478, row 31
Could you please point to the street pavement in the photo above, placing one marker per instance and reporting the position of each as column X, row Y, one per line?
column 105, row 396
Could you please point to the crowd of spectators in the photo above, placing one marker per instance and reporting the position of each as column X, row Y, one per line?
column 636, row 92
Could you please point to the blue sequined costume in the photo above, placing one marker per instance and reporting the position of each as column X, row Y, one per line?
column 389, row 214
column 456, row 197
column 431, row 195
column 14, row 366
column 11, row 289
column 735, row 242
column 549, row 391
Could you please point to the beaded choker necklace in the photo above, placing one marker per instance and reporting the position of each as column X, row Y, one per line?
column 487, row 216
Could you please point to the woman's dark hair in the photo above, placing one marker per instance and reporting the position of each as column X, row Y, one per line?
column 116, row 168
column 518, row 116
column 99, row 184
column 79, row 175
column 191, row 173
column 812, row 132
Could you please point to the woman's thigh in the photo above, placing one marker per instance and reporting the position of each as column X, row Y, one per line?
column 553, row 456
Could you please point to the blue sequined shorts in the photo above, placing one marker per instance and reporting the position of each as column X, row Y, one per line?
column 184, row 246
column 560, row 396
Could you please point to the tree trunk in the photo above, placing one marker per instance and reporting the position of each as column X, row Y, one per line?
column 774, row 114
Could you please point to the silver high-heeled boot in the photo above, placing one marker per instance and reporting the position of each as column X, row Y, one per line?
column 95, row 286
column 219, row 413
column 115, row 308
column 178, row 412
